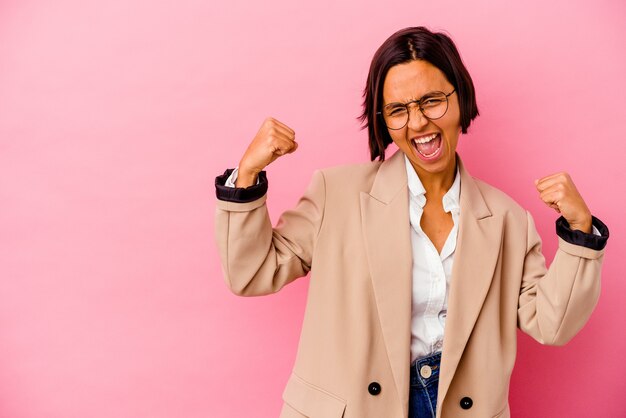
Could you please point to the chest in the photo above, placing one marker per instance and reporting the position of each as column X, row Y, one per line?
column 436, row 224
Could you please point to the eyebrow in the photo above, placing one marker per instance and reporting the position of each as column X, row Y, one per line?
column 429, row 94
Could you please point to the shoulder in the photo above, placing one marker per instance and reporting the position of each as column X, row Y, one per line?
column 354, row 175
column 499, row 201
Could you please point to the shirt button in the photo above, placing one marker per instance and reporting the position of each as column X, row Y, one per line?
column 439, row 344
column 426, row 371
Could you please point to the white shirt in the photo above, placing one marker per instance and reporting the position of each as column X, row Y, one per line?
column 431, row 270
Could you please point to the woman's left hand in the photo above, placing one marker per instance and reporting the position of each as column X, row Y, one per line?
column 559, row 192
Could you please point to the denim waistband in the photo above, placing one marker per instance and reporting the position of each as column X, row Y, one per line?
column 434, row 358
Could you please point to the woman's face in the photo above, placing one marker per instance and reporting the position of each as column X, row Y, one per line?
column 411, row 81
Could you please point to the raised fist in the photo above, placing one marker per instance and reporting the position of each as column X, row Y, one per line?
column 274, row 139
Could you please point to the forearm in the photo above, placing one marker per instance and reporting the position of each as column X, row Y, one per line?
column 554, row 304
column 256, row 258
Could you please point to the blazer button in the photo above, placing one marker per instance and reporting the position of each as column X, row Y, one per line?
column 374, row 388
column 466, row 403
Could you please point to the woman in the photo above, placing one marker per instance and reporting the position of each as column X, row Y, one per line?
column 420, row 274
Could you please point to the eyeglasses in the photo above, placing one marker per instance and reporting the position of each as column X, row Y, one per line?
column 433, row 106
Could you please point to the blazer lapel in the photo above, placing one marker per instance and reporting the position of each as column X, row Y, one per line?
column 386, row 229
column 476, row 254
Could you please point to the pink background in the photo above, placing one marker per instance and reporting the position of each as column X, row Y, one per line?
column 116, row 116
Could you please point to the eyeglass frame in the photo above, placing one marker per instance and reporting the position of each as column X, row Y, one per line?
column 419, row 106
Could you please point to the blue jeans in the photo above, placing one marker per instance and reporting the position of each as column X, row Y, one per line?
column 424, row 382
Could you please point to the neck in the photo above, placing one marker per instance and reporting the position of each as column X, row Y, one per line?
column 437, row 184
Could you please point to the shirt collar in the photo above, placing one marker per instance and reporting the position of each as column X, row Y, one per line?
column 450, row 200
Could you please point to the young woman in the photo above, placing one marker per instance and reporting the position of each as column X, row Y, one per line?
column 420, row 273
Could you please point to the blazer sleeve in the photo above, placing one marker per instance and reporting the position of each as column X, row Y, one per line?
column 258, row 259
column 555, row 303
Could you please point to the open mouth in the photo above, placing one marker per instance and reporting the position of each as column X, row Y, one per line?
column 428, row 146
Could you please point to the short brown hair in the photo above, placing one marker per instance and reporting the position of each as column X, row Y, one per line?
column 415, row 43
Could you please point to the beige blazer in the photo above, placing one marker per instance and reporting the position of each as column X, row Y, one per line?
column 351, row 230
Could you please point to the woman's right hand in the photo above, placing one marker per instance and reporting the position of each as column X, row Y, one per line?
column 273, row 140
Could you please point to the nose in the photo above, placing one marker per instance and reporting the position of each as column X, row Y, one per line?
column 417, row 120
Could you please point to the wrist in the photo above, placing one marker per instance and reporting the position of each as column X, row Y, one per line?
column 245, row 178
column 583, row 226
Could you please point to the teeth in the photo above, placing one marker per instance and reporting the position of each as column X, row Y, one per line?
column 425, row 139
column 428, row 155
